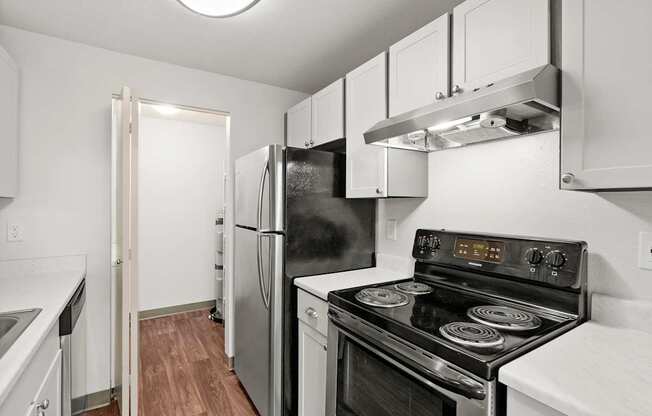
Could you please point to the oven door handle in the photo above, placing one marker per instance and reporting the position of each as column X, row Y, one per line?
column 438, row 371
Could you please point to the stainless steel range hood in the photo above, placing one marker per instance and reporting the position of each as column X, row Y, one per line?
column 523, row 104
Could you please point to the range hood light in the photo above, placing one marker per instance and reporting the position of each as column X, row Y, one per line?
column 525, row 103
column 449, row 124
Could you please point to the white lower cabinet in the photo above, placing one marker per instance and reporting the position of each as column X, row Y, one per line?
column 312, row 371
column 48, row 398
column 518, row 404
column 312, row 354
column 38, row 390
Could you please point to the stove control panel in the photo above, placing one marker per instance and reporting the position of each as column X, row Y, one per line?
column 550, row 262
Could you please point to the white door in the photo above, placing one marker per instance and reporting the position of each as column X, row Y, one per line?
column 128, row 196
column 312, row 371
column 495, row 39
column 328, row 113
column 605, row 139
column 48, row 399
column 366, row 104
column 419, row 67
column 299, row 124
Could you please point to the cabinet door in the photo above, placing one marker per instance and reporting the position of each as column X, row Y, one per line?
column 418, row 67
column 49, row 392
column 605, row 138
column 8, row 126
column 299, row 124
column 328, row 114
column 366, row 104
column 495, row 39
column 312, row 371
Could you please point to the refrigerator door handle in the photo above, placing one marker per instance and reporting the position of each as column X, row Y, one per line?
column 261, row 195
column 265, row 292
column 261, row 271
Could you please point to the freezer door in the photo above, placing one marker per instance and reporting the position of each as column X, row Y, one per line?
column 259, row 189
column 258, row 314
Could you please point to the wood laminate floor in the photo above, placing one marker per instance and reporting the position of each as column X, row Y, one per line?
column 184, row 372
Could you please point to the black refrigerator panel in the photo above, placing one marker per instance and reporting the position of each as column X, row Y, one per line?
column 325, row 232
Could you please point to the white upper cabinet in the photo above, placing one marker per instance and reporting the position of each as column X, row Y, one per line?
column 366, row 104
column 328, row 113
column 605, row 138
column 8, row 126
column 419, row 67
column 299, row 124
column 495, row 39
column 374, row 171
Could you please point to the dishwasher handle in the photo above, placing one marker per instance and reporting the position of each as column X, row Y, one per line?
column 73, row 309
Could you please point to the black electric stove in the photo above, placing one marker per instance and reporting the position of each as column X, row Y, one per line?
column 476, row 301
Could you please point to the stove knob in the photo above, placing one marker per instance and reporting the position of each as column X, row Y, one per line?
column 533, row 256
column 555, row 258
column 435, row 243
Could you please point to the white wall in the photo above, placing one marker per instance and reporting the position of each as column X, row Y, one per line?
column 511, row 187
column 65, row 129
column 180, row 171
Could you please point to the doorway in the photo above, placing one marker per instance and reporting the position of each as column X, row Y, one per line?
column 180, row 165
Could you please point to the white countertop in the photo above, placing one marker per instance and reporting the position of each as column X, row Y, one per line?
column 319, row 285
column 593, row 370
column 49, row 291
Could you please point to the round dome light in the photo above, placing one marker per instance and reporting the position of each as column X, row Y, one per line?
column 218, row 8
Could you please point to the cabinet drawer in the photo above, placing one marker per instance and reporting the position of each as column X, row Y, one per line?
column 313, row 311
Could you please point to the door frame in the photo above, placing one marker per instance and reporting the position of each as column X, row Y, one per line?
column 128, row 254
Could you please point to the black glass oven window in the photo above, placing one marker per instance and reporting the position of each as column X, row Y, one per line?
column 370, row 386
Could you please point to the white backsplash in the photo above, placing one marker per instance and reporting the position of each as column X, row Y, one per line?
column 512, row 187
column 622, row 313
column 26, row 267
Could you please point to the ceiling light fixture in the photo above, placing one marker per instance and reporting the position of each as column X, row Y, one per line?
column 218, row 8
column 166, row 110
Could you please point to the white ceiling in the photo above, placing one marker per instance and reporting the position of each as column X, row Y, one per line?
column 297, row 44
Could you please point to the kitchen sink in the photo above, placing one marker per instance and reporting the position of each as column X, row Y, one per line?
column 12, row 324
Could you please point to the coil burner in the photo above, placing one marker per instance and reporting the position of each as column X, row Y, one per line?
column 504, row 317
column 413, row 288
column 381, row 298
column 472, row 335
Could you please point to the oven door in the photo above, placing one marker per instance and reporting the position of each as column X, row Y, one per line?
column 372, row 373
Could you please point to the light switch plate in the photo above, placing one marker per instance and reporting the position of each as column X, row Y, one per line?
column 14, row 232
column 391, row 230
column 645, row 250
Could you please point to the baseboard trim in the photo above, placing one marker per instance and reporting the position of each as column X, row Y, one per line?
column 91, row 401
column 172, row 310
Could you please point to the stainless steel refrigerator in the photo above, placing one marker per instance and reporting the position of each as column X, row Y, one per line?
column 292, row 219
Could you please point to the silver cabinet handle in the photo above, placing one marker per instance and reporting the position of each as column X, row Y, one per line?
column 118, row 262
column 567, row 177
column 311, row 142
column 456, row 89
column 439, row 96
column 379, row 191
column 306, row 143
column 311, row 312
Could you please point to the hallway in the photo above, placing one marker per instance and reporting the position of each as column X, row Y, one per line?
column 183, row 370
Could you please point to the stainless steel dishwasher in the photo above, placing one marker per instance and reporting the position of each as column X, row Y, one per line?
column 67, row 321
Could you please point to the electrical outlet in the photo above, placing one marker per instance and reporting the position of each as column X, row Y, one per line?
column 391, row 230
column 645, row 250
column 14, row 232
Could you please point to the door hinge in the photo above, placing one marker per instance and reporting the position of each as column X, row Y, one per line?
column 130, row 128
column 129, row 254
